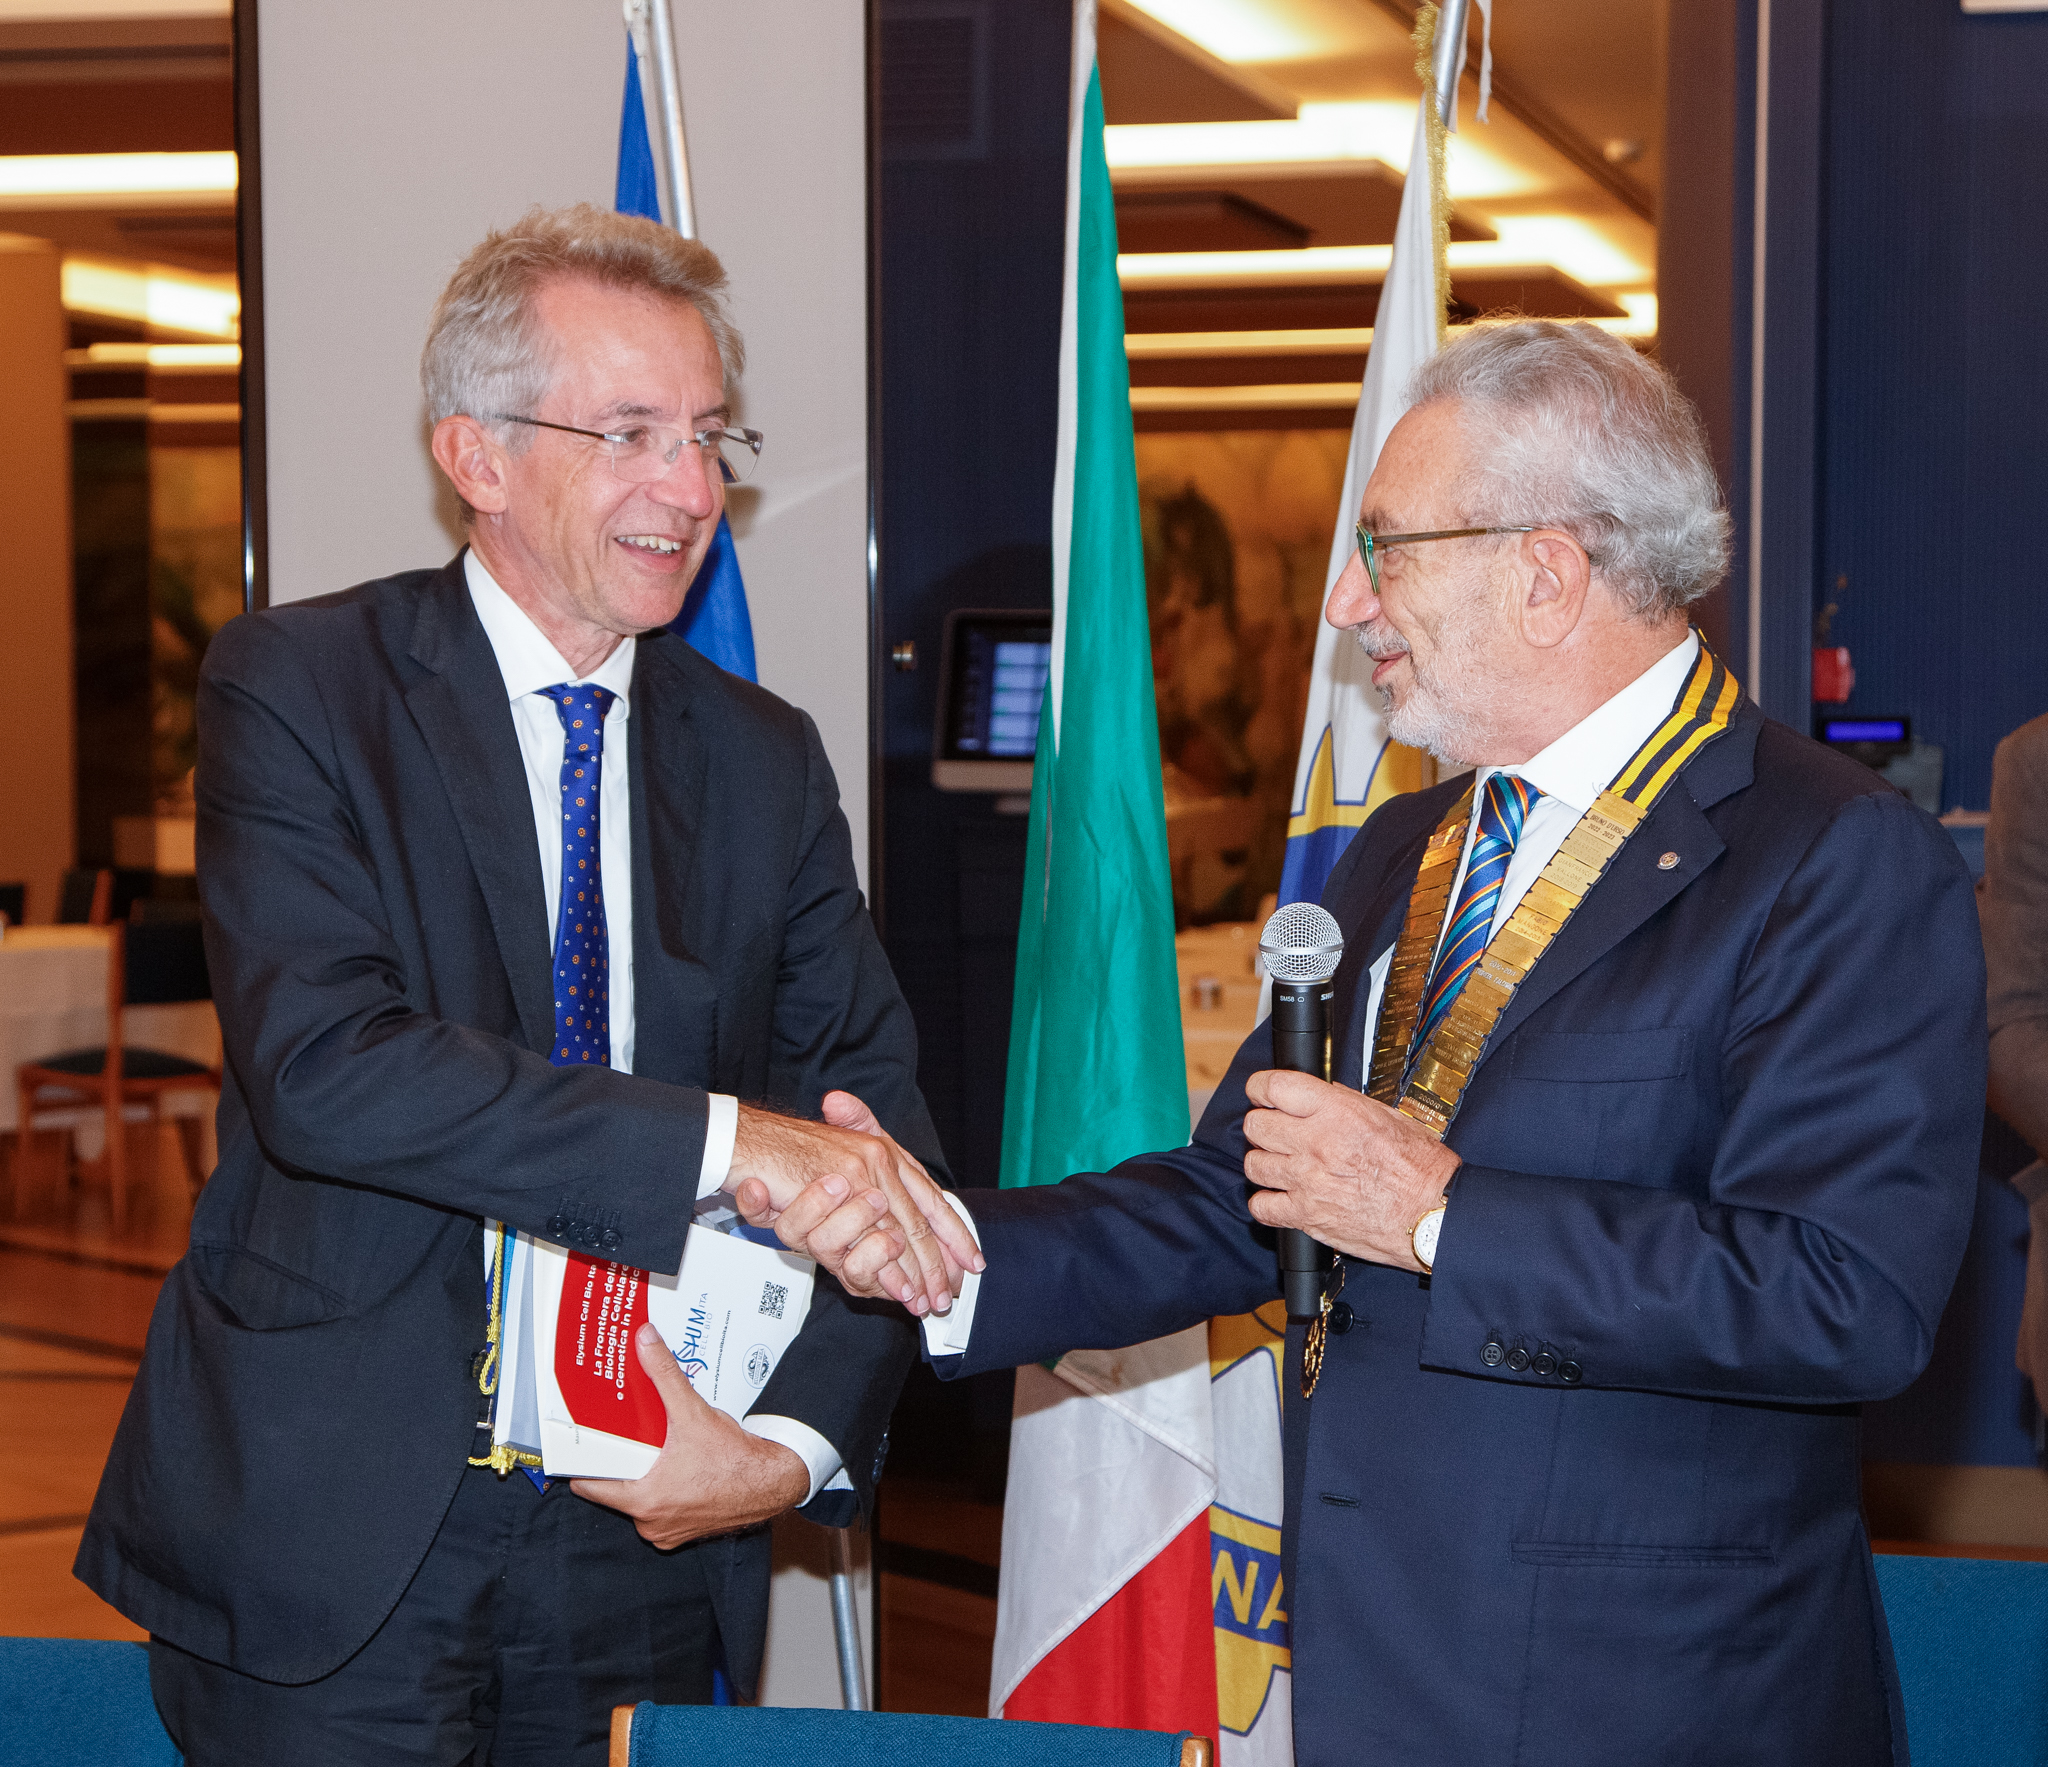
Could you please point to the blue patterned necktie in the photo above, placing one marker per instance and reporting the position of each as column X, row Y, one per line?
column 583, row 1031
column 582, row 953
column 1507, row 805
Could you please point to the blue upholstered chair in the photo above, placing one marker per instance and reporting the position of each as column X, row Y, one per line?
column 66, row 1702
column 1971, row 1636
column 737, row 1736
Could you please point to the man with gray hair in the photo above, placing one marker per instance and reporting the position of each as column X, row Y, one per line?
column 524, row 922
column 1649, row 1155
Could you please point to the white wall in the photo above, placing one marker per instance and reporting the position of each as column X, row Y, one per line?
column 395, row 132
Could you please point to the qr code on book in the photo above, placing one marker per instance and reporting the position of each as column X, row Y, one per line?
column 773, row 1294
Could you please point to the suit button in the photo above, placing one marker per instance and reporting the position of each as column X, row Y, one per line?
column 1518, row 1359
column 1569, row 1373
column 1545, row 1362
column 1492, row 1354
column 1342, row 1319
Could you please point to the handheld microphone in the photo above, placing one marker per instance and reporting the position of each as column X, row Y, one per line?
column 1301, row 947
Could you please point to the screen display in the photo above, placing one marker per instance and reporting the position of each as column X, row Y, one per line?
column 1000, row 667
column 1864, row 730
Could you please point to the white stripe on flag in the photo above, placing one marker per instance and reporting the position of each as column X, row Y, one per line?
column 1124, row 1445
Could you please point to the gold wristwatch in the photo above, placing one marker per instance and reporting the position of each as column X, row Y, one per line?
column 1424, row 1237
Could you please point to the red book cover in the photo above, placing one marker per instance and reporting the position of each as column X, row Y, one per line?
column 596, row 1364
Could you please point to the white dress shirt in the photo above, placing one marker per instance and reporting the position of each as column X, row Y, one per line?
column 1570, row 774
column 530, row 664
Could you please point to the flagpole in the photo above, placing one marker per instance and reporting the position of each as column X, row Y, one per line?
column 654, row 37
column 1450, row 58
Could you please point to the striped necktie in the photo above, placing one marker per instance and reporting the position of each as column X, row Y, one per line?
column 1507, row 805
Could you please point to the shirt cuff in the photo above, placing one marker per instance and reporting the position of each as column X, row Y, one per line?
column 721, row 1129
column 827, row 1474
column 946, row 1334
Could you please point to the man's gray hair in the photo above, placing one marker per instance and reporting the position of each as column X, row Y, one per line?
column 487, row 353
column 1570, row 428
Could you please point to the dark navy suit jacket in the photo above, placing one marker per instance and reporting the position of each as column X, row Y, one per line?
column 1719, row 1165
column 378, row 941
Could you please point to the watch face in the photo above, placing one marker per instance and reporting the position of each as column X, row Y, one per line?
column 1426, row 1231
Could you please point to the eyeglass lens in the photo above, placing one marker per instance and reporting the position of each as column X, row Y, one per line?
column 643, row 455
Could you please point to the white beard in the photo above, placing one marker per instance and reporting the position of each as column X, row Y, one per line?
column 1435, row 715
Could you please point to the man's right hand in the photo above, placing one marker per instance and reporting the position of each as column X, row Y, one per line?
column 864, row 1208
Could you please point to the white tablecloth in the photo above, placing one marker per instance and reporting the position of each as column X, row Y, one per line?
column 53, row 998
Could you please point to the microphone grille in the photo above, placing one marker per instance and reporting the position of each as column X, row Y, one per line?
column 1301, row 943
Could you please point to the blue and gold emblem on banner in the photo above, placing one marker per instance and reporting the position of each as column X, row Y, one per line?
column 1250, row 1604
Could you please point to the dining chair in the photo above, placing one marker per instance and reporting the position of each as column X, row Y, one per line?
column 79, row 1700
column 85, row 898
column 156, row 964
column 648, row 1735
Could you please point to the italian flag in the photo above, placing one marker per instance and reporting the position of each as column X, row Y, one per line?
column 1104, row 1612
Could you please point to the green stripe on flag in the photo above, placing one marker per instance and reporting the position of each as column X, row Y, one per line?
column 1097, row 1071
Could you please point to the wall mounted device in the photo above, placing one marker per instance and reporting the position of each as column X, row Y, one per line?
column 992, row 675
column 1873, row 741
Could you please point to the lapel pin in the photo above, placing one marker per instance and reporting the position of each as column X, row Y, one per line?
column 1669, row 862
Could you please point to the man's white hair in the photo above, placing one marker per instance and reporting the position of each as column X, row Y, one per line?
column 487, row 353
column 1571, row 428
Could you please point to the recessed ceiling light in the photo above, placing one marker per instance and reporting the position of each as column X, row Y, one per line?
column 1323, row 135
column 93, row 180
column 152, row 294
column 176, row 358
column 1247, row 30
column 1558, row 242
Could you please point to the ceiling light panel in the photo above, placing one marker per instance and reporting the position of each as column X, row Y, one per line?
column 1527, row 241
column 153, row 295
column 116, row 180
column 1333, row 135
column 1143, row 346
column 1261, row 30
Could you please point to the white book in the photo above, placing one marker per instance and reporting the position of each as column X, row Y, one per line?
column 728, row 1315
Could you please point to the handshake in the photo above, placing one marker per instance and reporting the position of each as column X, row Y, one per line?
column 844, row 1193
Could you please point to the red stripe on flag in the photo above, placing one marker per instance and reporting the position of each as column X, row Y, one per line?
column 1145, row 1659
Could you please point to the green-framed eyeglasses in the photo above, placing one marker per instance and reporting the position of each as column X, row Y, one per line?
column 1369, row 544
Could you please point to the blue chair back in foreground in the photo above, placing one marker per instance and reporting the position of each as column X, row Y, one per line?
column 66, row 1702
column 648, row 1735
column 1971, row 1638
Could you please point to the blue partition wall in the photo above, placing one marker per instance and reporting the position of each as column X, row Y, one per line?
column 1933, row 454
column 1935, row 370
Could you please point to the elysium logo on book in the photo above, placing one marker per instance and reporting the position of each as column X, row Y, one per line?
column 727, row 1315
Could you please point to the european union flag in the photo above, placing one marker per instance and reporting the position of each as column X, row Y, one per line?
column 714, row 620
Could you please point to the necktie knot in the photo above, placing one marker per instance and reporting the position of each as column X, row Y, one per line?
column 582, row 707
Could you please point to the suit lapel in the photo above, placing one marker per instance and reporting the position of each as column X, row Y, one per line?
column 1634, row 889
column 1670, row 850
column 675, row 991
column 462, row 713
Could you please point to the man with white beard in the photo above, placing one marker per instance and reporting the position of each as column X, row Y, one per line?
column 1650, row 1153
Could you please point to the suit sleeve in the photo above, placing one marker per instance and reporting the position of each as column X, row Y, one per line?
column 1840, row 1198
column 841, row 1023
column 2014, row 902
column 1107, row 1259
column 345, row 1075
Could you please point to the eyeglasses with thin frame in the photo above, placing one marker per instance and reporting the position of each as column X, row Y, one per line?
column 1369, row 544
column 645, row 452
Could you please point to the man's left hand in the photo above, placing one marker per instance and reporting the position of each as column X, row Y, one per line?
column 711, row 1476
column 1341, row 1167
